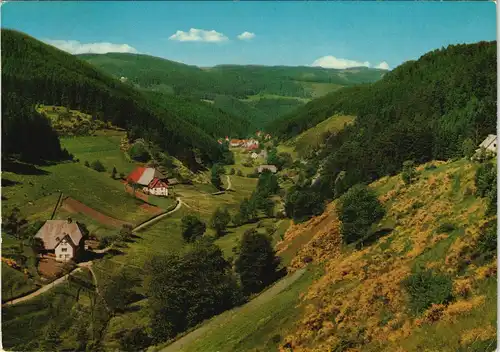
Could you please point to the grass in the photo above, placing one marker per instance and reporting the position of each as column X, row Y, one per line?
column 23, row 324
column 104, row 148
column 15, row 283
column 319, row 89
column 86, row 185
column 313, row 137
column 160, row 238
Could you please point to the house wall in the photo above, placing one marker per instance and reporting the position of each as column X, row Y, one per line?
column 493, row 146
column 64, row 251
column 160, row 191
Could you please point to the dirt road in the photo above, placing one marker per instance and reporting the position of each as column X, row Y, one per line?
column 264, row 297
column 41, row 290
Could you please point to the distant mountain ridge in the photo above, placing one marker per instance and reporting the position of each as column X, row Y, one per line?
column 235, row 80
column 258, row 88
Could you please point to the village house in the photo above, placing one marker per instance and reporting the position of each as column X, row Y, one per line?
column 490, row 144
column 271, row 168
column 235, row 143
column 152, row 180
column 61, row 237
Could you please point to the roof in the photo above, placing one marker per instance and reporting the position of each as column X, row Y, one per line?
column 157, row 183
column 144, row 175
column 488, row 140
column 53, row 231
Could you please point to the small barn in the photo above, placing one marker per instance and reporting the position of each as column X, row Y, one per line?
column 61, row 237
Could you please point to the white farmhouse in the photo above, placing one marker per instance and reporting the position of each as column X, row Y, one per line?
column 62, row 237
column 490, row 144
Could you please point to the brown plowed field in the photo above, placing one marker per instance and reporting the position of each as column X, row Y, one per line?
column 74, row 206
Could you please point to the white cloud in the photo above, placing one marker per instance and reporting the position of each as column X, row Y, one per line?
column 246, row 36
column 75, row 47
column 198, row 35
column 338, row 63
column 383, row 65
column 333, row 62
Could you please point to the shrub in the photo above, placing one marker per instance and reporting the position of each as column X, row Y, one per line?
column 232, row 172
column 192, row 228
column 468, row 148
column 359, row 209
column 134, row 340
column 219, row 221
column 446, row 228
column 139, row 152
column 485, row 178
column 257, row 262
column 86, row 163
column 417, row 205
column 301, row 204
column 239, row 173
column 98, row 166
column 487, row 241
column 409, row 174
column 426, row 288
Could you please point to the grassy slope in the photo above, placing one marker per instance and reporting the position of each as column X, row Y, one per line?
column 354, row 276
column 311, row 325
column 313, row 137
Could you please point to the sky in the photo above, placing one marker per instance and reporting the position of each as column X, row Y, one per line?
column 327, row 34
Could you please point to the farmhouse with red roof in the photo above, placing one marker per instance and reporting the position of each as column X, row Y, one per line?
column 152, row 180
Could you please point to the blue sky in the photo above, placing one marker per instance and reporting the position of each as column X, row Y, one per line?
column 330, row 34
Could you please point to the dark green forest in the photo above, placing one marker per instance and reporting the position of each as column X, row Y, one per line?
column 422, row 110
column 209, row 118
column 46, row 75
column 26, row 134
column 233, row 80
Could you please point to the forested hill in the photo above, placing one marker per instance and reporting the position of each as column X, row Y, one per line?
column 438, row 107
column 44, row 74
column 233, row 80
column 439, row 82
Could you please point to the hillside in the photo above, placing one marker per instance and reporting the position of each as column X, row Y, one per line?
column 312, row 139
column 239, row 81
column 354, row 298
column 49, row 76
column 439, row 82
column 422, row 110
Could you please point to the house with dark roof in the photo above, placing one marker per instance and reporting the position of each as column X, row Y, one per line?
column 61, row 237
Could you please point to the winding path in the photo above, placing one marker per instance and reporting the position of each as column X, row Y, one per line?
column 229, row 184
column 88, row 264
